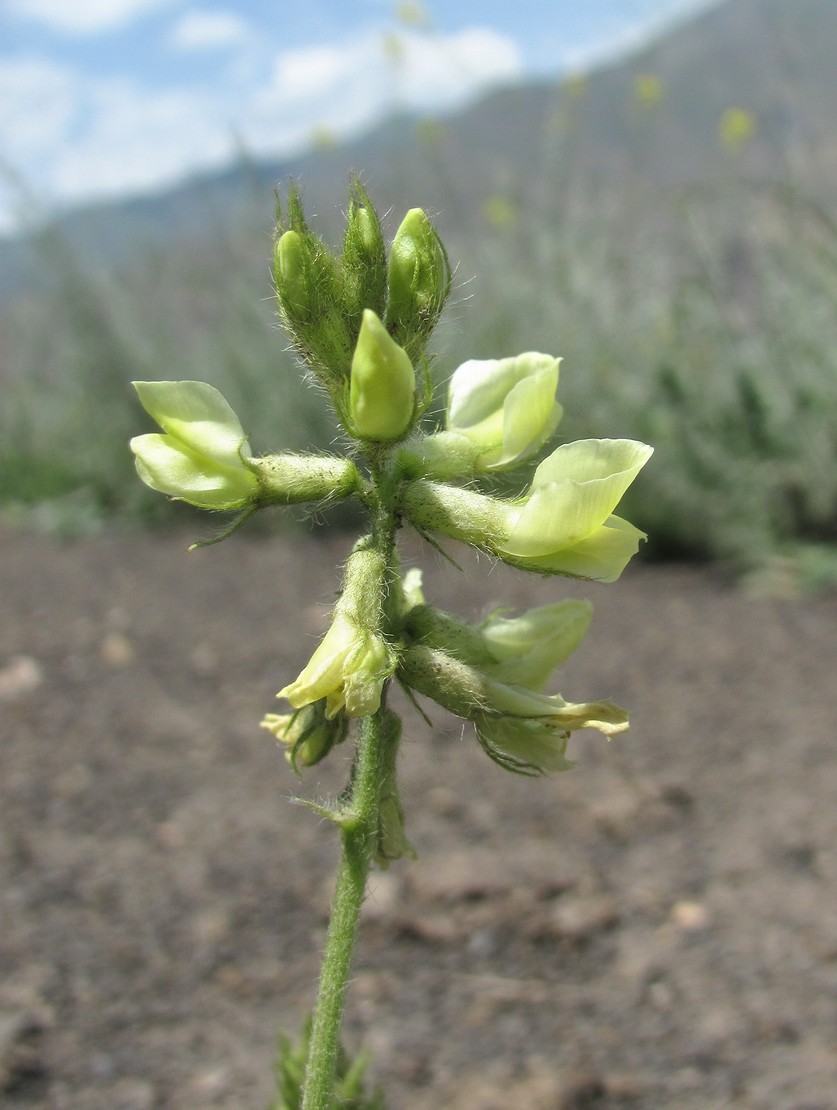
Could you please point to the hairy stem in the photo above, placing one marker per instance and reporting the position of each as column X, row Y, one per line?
column 359, row 837
column 358, row 841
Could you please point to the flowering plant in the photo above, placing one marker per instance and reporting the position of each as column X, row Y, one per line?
column 360, row 320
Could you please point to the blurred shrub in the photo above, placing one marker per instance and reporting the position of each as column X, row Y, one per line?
column 704, row 324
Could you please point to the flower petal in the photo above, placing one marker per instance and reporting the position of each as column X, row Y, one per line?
column 573, row 493
column 169, row 467
column 601, row 556
column 530, row 647
column 531, row 415
column 197, row 415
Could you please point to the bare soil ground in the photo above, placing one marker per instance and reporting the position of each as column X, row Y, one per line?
column 657, row 928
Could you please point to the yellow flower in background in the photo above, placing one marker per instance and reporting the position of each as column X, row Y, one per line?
column 412, row 14
column 736, row 127
column 648, row 90
column 500, row 212
column 575, row 84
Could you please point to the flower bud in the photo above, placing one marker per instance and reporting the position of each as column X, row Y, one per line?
column 309, row 294
column 382, row 391
column 292, row 274
column 419, row 281
column 364, row 260
column 203, row 457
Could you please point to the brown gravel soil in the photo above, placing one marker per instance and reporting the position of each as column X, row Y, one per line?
column 657, row 928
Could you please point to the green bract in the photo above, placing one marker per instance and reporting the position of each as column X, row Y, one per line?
column 382, row 390
column 201, row 458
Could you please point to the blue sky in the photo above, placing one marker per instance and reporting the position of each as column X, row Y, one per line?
column 101, row 98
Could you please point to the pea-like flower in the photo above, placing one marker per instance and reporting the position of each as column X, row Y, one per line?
column 202, row 457
column 506, row 407
column 563, row 525
column 522, row 650
column 348, row 669
column 500, row 412
column 520, row 728
column 353, row 661
column 527, row 649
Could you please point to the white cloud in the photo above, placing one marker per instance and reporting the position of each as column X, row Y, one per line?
column 83, row 17
column 138, row 141
column 346, row 86
column 38, row 101
column 435, row 72
column 208, row 30
column 75, row 137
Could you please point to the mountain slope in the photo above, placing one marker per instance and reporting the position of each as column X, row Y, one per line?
column 772, row 59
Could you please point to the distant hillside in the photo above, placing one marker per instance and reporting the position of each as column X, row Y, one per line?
column 649, row 121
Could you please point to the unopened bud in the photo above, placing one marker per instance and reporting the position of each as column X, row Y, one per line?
column 382, row 392
column 419, row 280
column 364, row 260
column 292, row 276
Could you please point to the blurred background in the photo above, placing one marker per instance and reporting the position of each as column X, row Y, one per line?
column 645, row 187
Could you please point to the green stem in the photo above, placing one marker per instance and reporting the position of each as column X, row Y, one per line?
column 359, row 837
column 349, row 892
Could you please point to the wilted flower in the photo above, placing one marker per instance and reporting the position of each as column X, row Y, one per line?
column 203, row 456
column 348, row 669
column 530, row 727
column 308, row 733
